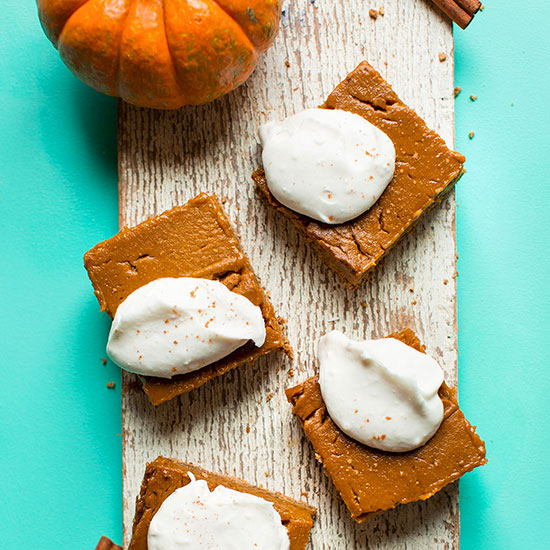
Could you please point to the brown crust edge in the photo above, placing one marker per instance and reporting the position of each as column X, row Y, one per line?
column 107, row 544
column 349, row 278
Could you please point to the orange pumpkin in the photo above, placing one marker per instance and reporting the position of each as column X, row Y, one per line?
column 161, row 54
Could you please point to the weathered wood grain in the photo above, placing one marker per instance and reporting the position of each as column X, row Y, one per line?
column 166, row 158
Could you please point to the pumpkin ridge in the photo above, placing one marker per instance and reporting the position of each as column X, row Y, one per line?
column 213, row 4
column 176, row 75
column 237, row 23
column 111, row 90
column 52, row 29
column 119, row 53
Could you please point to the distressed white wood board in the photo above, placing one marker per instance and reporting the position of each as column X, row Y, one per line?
column 165, row 158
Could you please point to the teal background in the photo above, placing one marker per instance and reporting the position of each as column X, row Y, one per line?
column 60, row 456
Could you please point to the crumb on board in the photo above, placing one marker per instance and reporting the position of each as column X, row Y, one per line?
column 445, row 281
column 104, row 361
column 304, row 494
column 414, row 302
column 287, row 63
column 363, row 304
column 373, row 14
column 457, row 91
column 111, row 385
column 248, row 428
column 381, row 11
column 482, row 7
column 442, row 56
column 473, row 98
column 269, row 396
column 290, row 373
column 471, row 135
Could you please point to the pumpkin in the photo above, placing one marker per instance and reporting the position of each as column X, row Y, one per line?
column 161, row 54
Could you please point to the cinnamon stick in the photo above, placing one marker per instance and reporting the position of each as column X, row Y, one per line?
column 107, row 544
column 460, row 11
column 469, row 6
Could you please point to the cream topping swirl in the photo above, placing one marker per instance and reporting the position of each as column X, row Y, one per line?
column 173, row 326
column 195, row 518
column 381, row 393
column 330, row 165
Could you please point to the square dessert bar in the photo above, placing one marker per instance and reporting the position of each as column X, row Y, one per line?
column 193, row 240
column 424, row 169
column 164, row 475
column 370, row 480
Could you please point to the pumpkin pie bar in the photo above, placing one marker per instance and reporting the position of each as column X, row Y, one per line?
column 164, row 475
column 371, row 481
column 107, row 544
column 193, row 240
column 424, row 170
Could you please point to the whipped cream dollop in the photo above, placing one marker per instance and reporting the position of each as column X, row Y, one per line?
column 173, row 326
column 193, row 518
column 381, row 393
column 328, row 164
